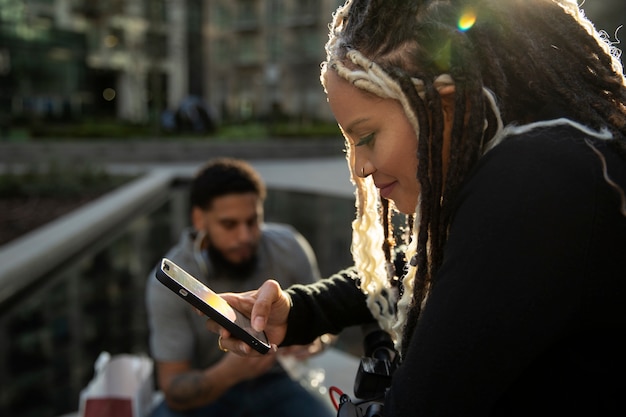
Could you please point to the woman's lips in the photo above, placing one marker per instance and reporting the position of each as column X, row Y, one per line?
column 386, row 189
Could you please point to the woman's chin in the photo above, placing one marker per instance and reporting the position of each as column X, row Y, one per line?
column 404, row 208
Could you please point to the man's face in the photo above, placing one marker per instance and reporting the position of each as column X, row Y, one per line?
column 232, row 225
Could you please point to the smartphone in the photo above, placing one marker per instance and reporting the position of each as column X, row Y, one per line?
column 215, row 307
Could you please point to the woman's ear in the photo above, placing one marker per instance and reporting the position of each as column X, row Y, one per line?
column 446, row 93
column 446, row 90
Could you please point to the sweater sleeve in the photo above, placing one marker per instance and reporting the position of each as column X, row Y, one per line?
column 327, row 306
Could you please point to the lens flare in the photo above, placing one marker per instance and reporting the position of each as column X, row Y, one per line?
column 467, row 20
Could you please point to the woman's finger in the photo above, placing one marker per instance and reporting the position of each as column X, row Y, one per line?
column 266, row 296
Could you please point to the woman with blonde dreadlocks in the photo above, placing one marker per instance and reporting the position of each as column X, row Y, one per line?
column 499, row 128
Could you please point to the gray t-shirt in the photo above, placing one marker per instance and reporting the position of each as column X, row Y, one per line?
column 178, row 333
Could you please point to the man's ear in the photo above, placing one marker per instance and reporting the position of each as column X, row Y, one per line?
column 197, row 218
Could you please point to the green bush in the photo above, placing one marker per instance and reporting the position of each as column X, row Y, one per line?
column 91, row 130
column 249, row 131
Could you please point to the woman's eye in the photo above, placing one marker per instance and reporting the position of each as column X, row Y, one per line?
column 365, row 140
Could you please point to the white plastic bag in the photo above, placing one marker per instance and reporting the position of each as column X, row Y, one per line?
column 121, row 387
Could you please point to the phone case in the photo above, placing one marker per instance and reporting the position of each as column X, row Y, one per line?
column 212, row 305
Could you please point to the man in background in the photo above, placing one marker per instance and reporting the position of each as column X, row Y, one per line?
column 229, row 248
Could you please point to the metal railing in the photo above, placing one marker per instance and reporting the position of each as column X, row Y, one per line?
column 73, row 288
column 29, row 257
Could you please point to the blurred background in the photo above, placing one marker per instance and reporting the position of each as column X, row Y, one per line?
column 94, row 68
column 152, row 68
column 106, row 109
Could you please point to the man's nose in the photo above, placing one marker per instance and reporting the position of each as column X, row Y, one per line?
column 245, row 233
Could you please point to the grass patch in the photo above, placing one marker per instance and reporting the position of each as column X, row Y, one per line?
column 248, row 131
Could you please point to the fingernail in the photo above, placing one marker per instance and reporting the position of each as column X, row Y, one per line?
column 258, row 324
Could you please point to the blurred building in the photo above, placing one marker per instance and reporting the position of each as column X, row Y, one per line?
column 131, row 60
column 137, row 52
column 263, row 57
column 119, row 59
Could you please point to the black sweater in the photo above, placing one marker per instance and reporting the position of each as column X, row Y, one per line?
column 527, row 315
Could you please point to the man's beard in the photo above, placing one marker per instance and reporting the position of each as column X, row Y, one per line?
column 222, row 266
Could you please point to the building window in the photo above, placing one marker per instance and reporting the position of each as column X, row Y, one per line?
column 275, row 11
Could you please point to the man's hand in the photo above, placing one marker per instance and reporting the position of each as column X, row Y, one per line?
column 186, row 388
column 241, row 368
column 302, row 352
column 268, row 308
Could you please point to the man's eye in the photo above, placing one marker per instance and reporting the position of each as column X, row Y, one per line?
column 365, row 140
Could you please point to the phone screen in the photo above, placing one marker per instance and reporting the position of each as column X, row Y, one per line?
column 203, row 292
column 210, row 298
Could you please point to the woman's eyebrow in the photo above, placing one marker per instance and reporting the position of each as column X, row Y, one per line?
column 352, row 126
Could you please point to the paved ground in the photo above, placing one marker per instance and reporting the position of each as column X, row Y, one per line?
column 307, row 165
column 328, row 175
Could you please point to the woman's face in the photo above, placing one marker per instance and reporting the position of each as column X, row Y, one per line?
column 381, row 140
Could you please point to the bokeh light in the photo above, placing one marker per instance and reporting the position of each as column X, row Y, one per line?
column 108, row 94
column 467, row 20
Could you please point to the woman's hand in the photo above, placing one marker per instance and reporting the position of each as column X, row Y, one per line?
column 268, row 308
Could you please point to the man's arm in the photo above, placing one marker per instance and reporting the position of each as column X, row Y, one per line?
column 186, row 388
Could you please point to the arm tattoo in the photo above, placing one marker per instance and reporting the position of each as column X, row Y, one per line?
column 189, row 387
